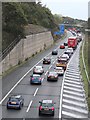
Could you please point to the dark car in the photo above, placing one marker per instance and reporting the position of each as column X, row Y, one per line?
column 46, row 60
column 35, row 79
column 54, row 52
column 65, row 44
column 52, row 76
column 15, row 102
column 46, row 107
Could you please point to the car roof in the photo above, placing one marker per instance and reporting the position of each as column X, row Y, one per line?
column 47, row 101
column 36, row 75
column 72, row 37
column 38, row 66
column 64, row 55
column 59, row 68
column 51, row 72
column 16, row 96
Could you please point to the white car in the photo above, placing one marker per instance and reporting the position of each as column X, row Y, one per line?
column 59, row 70
column 71, row 49
column 65, row 56
column 38, row 70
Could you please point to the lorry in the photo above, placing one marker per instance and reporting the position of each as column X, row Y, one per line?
column 72, row 42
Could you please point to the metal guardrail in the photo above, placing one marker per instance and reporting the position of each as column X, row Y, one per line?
column 84, row 63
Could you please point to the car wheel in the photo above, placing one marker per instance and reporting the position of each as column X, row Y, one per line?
column 22, row 104
column 39, row 113
column 40, row 83
column 20, row 107
column 53, row 114
column 7, row 107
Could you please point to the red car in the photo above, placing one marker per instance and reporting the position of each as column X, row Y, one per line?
column 62, row 46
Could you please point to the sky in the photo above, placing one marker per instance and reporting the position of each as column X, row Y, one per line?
column 77, row 9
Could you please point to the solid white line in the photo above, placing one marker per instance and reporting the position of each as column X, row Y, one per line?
column 46, row 73
column 50, row 67
column 29, row 106
column 53, row 62
column 36, row 92
column 42, row 79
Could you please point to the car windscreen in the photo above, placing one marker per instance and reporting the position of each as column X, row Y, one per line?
column 47, row 104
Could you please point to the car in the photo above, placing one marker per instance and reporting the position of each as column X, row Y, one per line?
column 68, row 52
column 62, row 46
column 38, row 70
column 65, row 56
column 52, row 76
column 71, row 49
column 35, row 79
column 62, row 58
column 46, row 107
column 54, row 52
column 46, row 60
column 59, row 70
column 65, row 44
column 15, row 102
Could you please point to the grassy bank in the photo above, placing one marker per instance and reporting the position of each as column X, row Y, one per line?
column 86, row 85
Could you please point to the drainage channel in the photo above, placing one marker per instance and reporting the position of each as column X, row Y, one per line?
column 74, row 103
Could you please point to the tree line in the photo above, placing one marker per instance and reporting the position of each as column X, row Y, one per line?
column 16, row 15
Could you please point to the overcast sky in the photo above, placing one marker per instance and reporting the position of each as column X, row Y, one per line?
column 72, row 8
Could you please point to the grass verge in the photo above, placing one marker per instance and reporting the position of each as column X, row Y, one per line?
column 82, row 69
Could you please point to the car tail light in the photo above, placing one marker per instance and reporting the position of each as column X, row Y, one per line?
column 52, row 108
column 40, row 78
column 40, row 107
column 55, row 76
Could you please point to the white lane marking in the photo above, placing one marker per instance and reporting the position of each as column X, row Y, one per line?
column 29, row 106
column 81, row 110
column 36, row 92
column 20, row 81
column 50, row 67
column 42, row 79
column 74, row 97
column 73, row 85
column 74, row 82
column 74, row 103
column 73, row 114
column 53, row 62
column 73, row 93
column 73, row 89
column 62, row 88
column 46, row 73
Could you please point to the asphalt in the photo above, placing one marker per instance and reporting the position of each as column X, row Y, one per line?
column 48, row 90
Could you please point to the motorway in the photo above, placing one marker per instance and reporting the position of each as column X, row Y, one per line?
column 18, row 82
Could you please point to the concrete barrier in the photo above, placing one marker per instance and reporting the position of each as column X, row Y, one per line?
column 26, row 48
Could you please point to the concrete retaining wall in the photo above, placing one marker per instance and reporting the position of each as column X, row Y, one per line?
column 26, row 48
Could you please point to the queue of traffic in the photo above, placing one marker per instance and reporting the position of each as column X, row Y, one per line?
column 47, row 106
